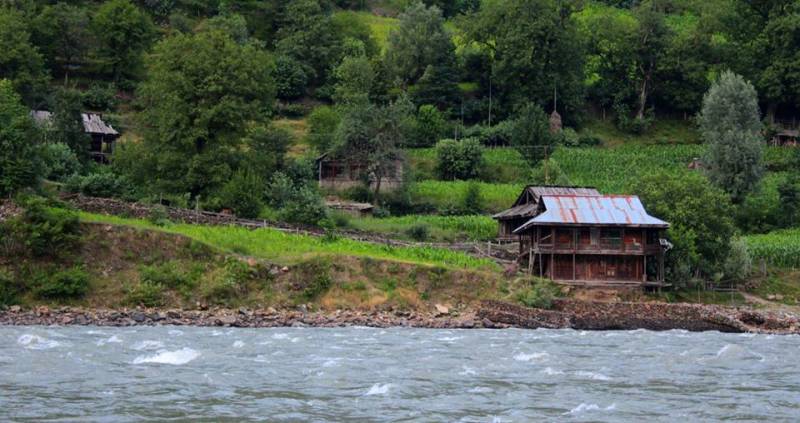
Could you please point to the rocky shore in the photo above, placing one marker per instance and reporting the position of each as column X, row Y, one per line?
column 572, row 314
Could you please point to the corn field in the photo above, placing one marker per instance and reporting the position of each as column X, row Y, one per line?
column 779, row 248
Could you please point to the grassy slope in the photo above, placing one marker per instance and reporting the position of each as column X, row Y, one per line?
column 280, row 247
column 380, row 26
column 663, row 131
column 441, row 228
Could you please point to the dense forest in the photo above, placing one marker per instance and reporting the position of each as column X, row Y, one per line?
column 226, row 104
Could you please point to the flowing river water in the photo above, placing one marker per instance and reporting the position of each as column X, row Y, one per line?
column 359, row 374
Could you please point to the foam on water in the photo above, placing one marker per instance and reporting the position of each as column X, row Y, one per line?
column 36, row 342
column 112, row 340
column 379, row 389
column 148, row 345
column 178, row 357
column 238, row 344
column 592, row 375
column 550, row 372
column 584, row 407
column 539, row 356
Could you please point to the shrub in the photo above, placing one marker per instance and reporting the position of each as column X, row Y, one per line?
column 305, row 207
column 158, row 215
column 100, row 96
column 322, row 123
column 7, row 288
column 429, row 126
column 540, row 295
column 103, row 184
column 66, row 284
column 418, row 232
column 739, row 264
column 231, row 283
column 279, row 190
column 60, row 162
column 473, row 201
column 459, row 159
column 290, row 78
column 44, row 230
column 147, row 294
column 167, row 274
column 242, row 194
column 313, row 278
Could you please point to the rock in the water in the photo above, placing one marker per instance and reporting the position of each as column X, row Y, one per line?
column 227, row 320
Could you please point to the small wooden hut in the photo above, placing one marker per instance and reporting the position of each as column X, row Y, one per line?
column 527, row 205
column 103, row 135
column 596, row 240
column 341, row 173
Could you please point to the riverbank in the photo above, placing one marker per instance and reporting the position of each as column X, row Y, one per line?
column 566, row 314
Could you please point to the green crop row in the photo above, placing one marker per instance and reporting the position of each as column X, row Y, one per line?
column 779, row 248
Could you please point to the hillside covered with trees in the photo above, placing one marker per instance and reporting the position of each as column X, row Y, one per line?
column 226, row 105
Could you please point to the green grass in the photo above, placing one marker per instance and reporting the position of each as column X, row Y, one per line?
column 778, row 248
column 501, row 165
column 442, row 228
column 787, row 285
column 447, row 194
column 663, row 131
column 379, row 25
column 284, row 248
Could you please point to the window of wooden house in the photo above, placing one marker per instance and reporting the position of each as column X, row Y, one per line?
column 564, row 237
column 585, row 237
column 546, row 236
column 610, row 238
column 633, row 238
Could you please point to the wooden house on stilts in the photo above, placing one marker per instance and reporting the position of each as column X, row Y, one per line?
column 586, row 238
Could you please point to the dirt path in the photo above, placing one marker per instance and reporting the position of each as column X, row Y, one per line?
column 769, row 305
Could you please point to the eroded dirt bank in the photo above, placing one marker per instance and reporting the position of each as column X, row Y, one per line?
column 489, row 314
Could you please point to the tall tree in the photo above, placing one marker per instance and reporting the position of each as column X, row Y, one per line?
column 202, row 92
column 420, row 40
column 19, row 165
column 731, row 126
column 531, row 135
column 61, row 33
column 20, row 61
column 535, row 49
column 371, row 135
column 306, row 36
column 354, row 80
column 124, row 32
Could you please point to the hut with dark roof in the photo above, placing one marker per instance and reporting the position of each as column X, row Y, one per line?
column 527, row 205
column 103, row 135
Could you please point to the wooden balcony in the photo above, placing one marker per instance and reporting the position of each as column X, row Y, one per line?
column 616, row 247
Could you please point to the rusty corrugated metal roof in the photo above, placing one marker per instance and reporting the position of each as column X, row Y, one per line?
column 527, row 202
column 613, row 210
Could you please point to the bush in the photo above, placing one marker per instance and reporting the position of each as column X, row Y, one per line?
column 459, row 159
column 8, row 289
column 167, row 274
column 242, row 194
column 279, row 190
column 540, row 295
column 322, row 123
column 146, row 294
column 103, row 184
column 305, row 207
column 44, row 230
column 60, row 162
column 739, row 264
column 473, row 201
column 66, row 284
column 290, row 78
column 418, row 232
column 158, row 215
column 429, row 126
column 100, row 97
column 231, row 283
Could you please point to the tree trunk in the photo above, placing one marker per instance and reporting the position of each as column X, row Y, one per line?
column 643, row 97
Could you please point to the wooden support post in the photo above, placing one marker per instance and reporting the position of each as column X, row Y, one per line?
column 644, row 269
column 530, row 260
column 574, row 249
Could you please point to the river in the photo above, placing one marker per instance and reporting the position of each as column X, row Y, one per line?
column 105, row 374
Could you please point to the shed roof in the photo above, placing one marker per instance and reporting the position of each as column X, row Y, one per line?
column 92, row 122
column 527, row 202
column 593, row 210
